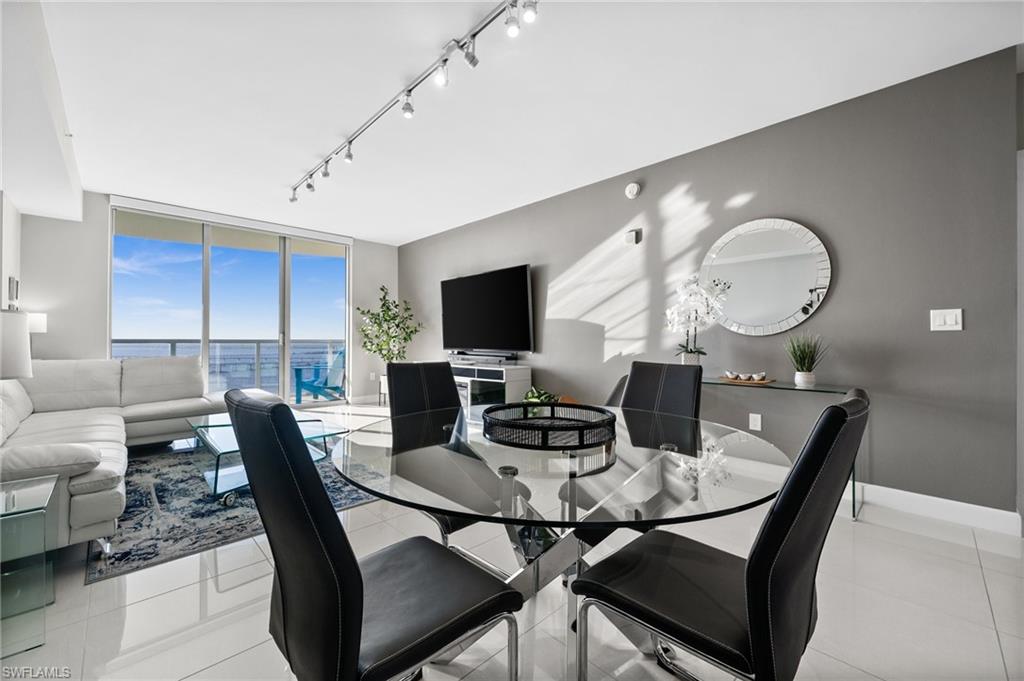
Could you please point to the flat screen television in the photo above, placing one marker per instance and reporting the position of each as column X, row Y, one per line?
column 492, row 311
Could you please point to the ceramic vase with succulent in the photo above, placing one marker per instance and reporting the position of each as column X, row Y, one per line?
column 805, row 352
column 697, row 308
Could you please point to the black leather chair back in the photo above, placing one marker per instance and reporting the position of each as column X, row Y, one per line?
column 316, row 606
column 665, row 388
column 421, row 386
column 781, row 600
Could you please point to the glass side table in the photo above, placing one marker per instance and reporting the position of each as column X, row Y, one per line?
column 26, row 585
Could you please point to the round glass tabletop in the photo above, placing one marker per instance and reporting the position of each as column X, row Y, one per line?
column 660, row 469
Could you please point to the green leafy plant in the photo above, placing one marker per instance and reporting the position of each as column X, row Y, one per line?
column 535, row 394
column 690, row 349
column 388, row 330
column 805, row 351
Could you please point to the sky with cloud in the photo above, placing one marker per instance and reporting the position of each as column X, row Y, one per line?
column 157, row 292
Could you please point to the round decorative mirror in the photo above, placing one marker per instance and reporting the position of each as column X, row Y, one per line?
column 777, row 272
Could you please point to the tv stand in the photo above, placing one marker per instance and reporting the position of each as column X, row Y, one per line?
column 484, row 384
column 482, row 357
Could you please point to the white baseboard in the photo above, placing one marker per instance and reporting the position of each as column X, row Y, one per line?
column 982, row 517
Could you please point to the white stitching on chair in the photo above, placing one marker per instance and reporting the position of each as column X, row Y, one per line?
column 305, row 507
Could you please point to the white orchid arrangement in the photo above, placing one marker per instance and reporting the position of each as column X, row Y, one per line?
column 697, row 308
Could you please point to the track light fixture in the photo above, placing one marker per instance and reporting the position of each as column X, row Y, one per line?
column 529, row 11
column 441, row 74
column 469, row 53
column 438, row 70
column 512, row 20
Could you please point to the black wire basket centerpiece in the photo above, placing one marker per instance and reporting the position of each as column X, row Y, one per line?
column 549, row 425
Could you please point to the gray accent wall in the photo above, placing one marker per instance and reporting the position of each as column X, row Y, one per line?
column 913, row 191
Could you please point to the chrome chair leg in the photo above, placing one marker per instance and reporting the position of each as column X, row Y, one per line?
column 667, row 659
column 513, row 646
column 581, row 638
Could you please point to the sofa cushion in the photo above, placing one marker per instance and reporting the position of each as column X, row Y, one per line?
column 15, row 407
column 167, row 409
column 62, row 384
column 52, row 433
column 158, row 379
column 107, row 475
column 87, row 509
column 34, row 460
column 75, row 419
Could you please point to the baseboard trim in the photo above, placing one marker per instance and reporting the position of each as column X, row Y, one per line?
column 982, row 517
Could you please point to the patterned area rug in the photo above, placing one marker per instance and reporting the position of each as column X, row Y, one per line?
column 170, row 513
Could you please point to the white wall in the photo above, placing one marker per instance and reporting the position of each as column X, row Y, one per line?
column 373, row 264
column 10, row 245
column 65, row 272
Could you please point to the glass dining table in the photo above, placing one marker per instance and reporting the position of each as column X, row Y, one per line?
column 659, row 470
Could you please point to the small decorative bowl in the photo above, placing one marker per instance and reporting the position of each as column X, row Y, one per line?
column 759, row 376
column 744, row 377
column 731, row 374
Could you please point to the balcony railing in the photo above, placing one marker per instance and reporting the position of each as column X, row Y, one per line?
column 240, row 362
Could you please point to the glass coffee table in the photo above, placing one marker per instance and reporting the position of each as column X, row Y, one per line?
column 217, row 449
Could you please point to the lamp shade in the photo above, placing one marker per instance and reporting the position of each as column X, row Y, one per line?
column 37, row 322
column 15, row 355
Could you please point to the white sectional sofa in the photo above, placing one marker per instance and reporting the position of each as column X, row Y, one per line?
column 76, row 418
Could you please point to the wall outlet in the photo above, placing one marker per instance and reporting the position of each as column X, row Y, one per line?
column 373, row 376
column 755, row 422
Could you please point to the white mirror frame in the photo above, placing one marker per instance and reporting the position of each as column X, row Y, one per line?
column 813, row 243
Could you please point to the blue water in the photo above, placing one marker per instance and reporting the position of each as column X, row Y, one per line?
column 233, row 365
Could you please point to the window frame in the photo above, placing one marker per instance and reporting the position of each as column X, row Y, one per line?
column 285, row 234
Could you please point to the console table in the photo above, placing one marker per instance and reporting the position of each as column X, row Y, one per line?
column 715, row 379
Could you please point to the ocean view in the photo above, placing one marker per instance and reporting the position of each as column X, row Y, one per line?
column 233, row 364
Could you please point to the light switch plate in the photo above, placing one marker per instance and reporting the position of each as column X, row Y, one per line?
column 755, row 422
column 946, row 320
column 373, row 376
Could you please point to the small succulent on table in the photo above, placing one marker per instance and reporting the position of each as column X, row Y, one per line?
column 539, row 395
column 805, row 353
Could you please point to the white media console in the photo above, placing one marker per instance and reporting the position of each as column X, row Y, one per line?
column 481, row 385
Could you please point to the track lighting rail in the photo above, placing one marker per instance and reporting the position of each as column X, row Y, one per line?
column 466, row 45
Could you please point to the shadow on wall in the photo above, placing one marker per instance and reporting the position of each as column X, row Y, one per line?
column 623, row 289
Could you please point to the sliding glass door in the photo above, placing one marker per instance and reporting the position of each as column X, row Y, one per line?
column 245, row 299
column 317, row 308
column 263, row 310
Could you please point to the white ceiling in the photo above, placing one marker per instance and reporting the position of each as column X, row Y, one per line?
column 221, row 106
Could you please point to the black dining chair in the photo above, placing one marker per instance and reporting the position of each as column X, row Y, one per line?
column 333, row 616
column 752, row 618
column 663, row 388
column 672, row 389
column 416, row 387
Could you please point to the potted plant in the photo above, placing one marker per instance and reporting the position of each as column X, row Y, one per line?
column 388, row 330
column 805, row 352
column 697, row 309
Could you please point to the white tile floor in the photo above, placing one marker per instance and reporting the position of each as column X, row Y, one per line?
column 900, row 597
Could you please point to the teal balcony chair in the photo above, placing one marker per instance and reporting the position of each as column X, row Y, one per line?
column 325, row 382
